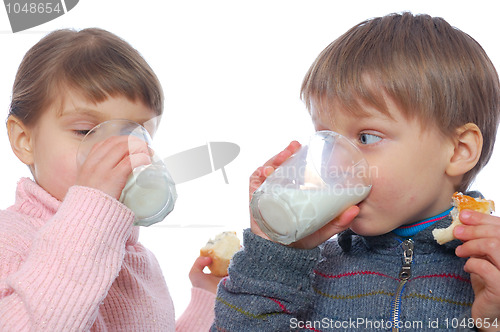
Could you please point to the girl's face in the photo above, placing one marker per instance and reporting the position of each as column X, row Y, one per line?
column 407, row 164
column 57, row 134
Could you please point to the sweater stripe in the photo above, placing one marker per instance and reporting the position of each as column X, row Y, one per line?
column 382, row 292
column 437, row 299
column 443, row 275
column 353, row 297
column 351, row 274
column 244, row 312
column 283, row 308
column 355, row 273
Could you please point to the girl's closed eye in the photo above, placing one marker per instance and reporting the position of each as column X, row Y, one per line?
column 81, row 132
column 366, row 138
column 81, row 128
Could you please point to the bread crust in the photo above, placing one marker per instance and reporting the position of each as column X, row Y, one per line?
column 221, row 250
column 461, row 202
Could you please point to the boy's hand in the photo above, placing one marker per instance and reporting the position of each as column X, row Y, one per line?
column 110, row 162
column 481, row 236
column 334, row 227
column 201, row 279
column 337, row 225
column 261, row 173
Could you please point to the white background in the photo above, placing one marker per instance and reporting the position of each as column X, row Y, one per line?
column 231, row 71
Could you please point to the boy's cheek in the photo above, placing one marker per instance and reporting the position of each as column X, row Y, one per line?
column 384, row 186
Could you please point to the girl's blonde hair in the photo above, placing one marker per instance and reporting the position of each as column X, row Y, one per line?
column 431, row 70
column 94, row 62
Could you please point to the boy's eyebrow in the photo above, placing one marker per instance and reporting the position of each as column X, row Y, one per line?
column 367, row 113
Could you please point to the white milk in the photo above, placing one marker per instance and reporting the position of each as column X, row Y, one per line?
column 289, row 214
column 149, row 193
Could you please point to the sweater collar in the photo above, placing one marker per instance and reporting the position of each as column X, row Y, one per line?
column 34, row 201
column 424, row 240
column 413, row 228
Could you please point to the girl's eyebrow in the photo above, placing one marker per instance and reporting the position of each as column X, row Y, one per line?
column 80, row 112
column 99, row 117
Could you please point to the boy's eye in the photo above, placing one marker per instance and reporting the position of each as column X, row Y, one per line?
column 369, row 138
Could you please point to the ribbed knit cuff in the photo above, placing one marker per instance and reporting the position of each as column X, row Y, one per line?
column 262, row 259
column 199, row 314
column 73, row 261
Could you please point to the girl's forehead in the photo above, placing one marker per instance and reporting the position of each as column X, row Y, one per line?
column 74, row 104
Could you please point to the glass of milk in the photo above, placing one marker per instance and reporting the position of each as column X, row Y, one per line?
column 311, row 188
column 150, row 191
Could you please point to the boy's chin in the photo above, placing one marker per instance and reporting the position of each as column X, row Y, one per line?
column 366, row 227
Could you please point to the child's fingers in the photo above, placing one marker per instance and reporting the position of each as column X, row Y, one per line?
column 261, row 173
column 284, row 155
column 489, row 273
column 335, row 226
column 467, row 232
column 199, row 264
column 485, row 248
column 470, row 217
column 270, row 165
column 109, row 163
column 278, row 159
column 130, row 147
column 129, row 162
column 348, row 215
column 258, row 177
column 201, row 279
column 110, row 152
column 341, row 222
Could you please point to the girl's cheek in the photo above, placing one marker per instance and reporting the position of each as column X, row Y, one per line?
column 67, row 166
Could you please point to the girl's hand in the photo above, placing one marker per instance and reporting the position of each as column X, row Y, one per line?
column 110, row 162
column 201, row 279
column 481, row 236
column 334, row 227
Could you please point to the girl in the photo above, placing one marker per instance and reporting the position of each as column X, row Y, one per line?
column 69, row 251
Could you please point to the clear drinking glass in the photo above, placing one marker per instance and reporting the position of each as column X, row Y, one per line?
column 311, row 188
column 150, row 191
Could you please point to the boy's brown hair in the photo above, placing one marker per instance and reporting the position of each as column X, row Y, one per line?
column 94, row 62
column 431, row 70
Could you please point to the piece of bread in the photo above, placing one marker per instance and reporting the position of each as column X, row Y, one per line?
column 461, row 202
column 221, row 250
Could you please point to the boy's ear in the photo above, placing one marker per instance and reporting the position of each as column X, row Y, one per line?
column 20, row 139
column 468, row 143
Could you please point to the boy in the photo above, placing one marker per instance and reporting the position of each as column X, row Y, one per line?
column 421, row 101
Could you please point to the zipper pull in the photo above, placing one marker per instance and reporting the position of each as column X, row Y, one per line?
column 405, row 272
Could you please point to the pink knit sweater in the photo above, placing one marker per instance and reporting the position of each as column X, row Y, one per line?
column 76, row 265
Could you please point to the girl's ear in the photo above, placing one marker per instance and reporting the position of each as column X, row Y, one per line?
column 20, row 139
column 468, row 143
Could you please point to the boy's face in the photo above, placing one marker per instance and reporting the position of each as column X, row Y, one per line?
column 407, row 165
column 56, row 136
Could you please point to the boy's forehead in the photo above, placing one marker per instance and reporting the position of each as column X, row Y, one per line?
column 330, row 112
column 332, row 116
